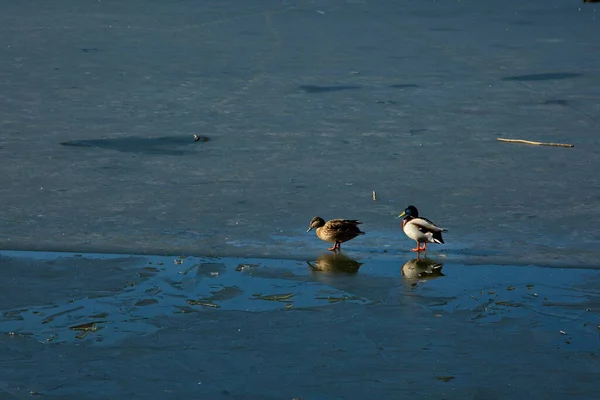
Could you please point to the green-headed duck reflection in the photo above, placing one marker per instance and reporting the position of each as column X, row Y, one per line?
column 422, row 268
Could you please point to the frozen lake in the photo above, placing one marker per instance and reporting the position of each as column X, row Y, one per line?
column 307, row 107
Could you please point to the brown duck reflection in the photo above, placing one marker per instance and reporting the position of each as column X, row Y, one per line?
column 336, row 262
column 422, row 268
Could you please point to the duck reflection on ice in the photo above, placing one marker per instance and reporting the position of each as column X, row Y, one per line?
column 336, row 262
column 422, row 268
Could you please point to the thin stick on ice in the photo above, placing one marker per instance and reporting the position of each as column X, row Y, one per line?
column 536, row 143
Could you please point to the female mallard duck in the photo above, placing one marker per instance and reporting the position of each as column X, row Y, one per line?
column 421, row 229
column 336, row 231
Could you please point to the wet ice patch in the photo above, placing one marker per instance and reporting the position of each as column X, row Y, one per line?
column 165, row 145
column 167, row 287
column 542, row 77
column 326, row 89
column 547, row 300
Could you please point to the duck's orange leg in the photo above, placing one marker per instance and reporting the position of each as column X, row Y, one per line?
column 335, row 247
column 419, row 248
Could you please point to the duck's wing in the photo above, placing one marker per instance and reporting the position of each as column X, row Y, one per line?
column 426, row 225
column 343, row 225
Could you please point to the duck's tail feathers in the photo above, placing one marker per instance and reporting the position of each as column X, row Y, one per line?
column 437, row 237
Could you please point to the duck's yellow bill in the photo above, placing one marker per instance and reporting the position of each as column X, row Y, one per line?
column 402, row 215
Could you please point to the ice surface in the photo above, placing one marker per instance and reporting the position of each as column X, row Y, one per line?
column 309, row 106
column 308, row 112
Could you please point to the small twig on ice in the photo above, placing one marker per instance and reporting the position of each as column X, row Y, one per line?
column 536, row 143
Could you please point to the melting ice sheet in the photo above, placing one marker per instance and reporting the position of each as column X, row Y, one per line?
column 106, row 297
column 64, row 298
column 95, row 325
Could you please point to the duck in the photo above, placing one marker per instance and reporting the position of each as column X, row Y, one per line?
column 420, row 229
column 336, row 231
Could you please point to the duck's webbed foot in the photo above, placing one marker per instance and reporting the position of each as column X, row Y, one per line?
column 335, row 247
column 419, row 248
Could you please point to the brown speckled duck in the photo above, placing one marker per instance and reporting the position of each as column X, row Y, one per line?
column 336, row 231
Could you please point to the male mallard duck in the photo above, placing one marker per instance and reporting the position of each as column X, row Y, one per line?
column 421, row 229
column 336, row 231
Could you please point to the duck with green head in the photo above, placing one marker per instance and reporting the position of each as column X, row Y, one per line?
column 420, row 229
column 336, row 231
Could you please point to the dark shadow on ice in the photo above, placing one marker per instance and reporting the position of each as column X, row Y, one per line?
column 324, row 89
column 331, row 262
column 389, row 102
column 542, row 77
column 165, row 145
column 557, row 102
column 422, row 268
column 404, row 86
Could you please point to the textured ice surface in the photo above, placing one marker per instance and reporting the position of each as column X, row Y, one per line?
column 310, row 106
